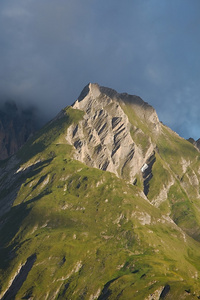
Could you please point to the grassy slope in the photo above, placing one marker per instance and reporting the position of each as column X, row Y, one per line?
column 184, row 193
column 172, row 152
column 92, row 231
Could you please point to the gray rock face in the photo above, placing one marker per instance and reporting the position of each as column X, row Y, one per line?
column 195, row 143
column 103, row 139
column 198, row 144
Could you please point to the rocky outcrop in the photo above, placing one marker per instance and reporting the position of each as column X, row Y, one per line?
column 195, row 143
column 103, row 139
column 147, row 173
column 198, row 144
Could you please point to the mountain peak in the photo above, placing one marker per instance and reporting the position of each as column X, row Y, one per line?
column 90, row 88
column 68, row 230
column 104, row 139
column 93, row 91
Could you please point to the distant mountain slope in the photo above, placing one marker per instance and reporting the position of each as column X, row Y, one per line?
column 16, row 125
column 102, row 203
column 195, row 143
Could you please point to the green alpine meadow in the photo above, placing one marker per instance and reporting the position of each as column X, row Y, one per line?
column 102, row 203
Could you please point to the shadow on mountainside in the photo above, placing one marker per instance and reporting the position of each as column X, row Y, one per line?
column 11, row 181
column 20, row 278
column 11, row 221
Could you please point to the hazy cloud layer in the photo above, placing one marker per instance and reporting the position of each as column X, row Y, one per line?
column 49, row 50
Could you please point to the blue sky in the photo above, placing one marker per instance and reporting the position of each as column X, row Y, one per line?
column 50, row 49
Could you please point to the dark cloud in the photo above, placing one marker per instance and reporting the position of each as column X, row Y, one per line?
column 51, row 49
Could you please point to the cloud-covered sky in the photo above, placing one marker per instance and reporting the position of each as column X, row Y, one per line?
column 50, row 49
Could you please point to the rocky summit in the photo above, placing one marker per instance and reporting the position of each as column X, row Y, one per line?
column 102, row 203
column 102, row 139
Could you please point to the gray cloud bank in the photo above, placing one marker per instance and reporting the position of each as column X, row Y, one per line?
column 49, row 50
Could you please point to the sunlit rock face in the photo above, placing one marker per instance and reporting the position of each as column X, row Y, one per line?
column 103, row 138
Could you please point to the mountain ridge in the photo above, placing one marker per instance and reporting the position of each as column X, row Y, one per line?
column 74, row 228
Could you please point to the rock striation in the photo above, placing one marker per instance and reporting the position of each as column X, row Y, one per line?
column 103, row 138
